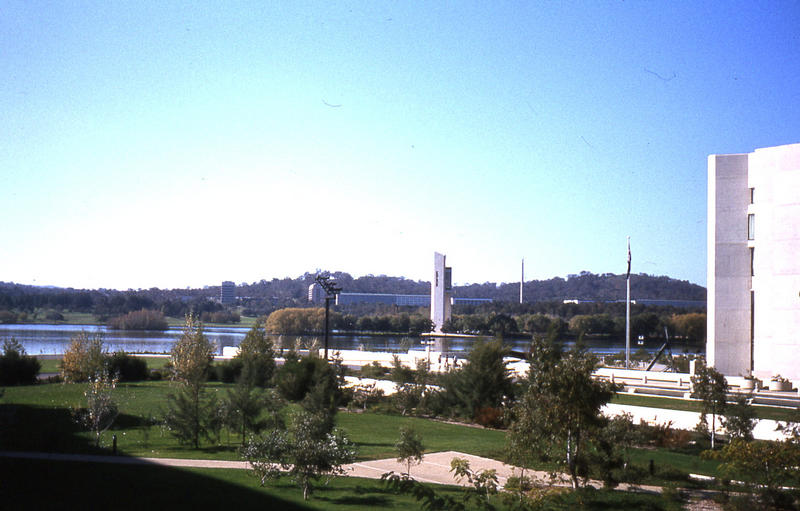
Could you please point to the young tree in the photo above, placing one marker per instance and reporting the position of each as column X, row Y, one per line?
column 710, row 386
column 409, row 448
column 768, row 468
column 101, row 410
column 740, row 418
column 191, row 415
column 244, row 406
column 559, row 413
column 306, row 451
column 365, row 394
column 84, row 358
column 258, row 357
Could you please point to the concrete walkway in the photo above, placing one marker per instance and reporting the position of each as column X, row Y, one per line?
column 434, row 468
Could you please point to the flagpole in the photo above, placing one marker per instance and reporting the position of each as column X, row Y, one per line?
column 628, row 311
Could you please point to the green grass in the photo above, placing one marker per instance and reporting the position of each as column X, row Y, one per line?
column 39, row 418
column 664, row 459
column 142, row 404
column 376, row 435
column 762, row 412
column 53, row 364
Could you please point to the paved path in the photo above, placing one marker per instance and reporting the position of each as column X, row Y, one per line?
column 435, row 467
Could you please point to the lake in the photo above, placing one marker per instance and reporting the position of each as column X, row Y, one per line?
column 53, row 339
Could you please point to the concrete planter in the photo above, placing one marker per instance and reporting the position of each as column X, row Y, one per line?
column 781, row 386
column 748, row 384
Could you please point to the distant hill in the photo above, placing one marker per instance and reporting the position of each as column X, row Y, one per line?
column 588, row 286
column 264, row 296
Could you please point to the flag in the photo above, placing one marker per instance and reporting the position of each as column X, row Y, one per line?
column 628, row 275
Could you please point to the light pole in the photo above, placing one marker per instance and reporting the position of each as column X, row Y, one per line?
column 628, row 310
column 331, row 290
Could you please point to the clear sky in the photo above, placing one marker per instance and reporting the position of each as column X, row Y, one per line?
column 167, row 144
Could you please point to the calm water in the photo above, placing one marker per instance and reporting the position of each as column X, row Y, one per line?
column 54, row 339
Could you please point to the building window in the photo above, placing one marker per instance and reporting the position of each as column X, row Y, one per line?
column 751, row 226
column 752, row 256
column 752, row 193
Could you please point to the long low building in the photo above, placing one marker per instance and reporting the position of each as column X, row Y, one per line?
column 392, row 299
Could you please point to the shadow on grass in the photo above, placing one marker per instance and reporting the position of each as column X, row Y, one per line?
column 36, row 428
column 39, row 484
column 355, row 500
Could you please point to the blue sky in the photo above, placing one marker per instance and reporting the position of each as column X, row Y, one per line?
column 177, row 144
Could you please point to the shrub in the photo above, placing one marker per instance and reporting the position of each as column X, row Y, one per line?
column 227, row 371
column 84, row 358
column 16, row 367
column 490, row 417
column 374, row 370
column 126, row 367
column 54, row 316
column 8, row 317
column 144, row 319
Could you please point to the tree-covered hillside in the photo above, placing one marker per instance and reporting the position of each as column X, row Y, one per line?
column 267, row 295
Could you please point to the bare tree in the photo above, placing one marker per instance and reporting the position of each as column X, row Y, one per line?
column 101, row 409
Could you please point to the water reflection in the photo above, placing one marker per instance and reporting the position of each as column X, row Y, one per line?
column 54, row 339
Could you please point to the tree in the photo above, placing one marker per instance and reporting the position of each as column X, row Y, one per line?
column 258, row 357
column 16, row 367
column 409, row 448
column 296, row 321
column 483, row 382
column 559, row 412
column 101, row 410
column 144, row 319
column 767, row 467
column 84, row 358
column 306, row 451
column 710, row 386
column 501, row 324
column 483, row 483
column 692, row 325
column 365, row 394
column 740, row 418
column 244, row 405
column 191, row 415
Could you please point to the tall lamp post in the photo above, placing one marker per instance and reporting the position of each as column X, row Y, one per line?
column 331, row 290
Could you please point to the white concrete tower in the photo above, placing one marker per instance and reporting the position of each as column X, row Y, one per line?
column 753, row 263
column 441, row 292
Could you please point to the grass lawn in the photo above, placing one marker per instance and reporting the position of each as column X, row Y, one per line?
column 53, row 365
column 125, row 487
column 39, row 418
column 36, row 408
column 762, row 412
column 376, row 435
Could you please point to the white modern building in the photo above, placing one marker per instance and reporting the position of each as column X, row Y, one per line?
column 754, row 262
column 441, row 292
column 315, row 293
